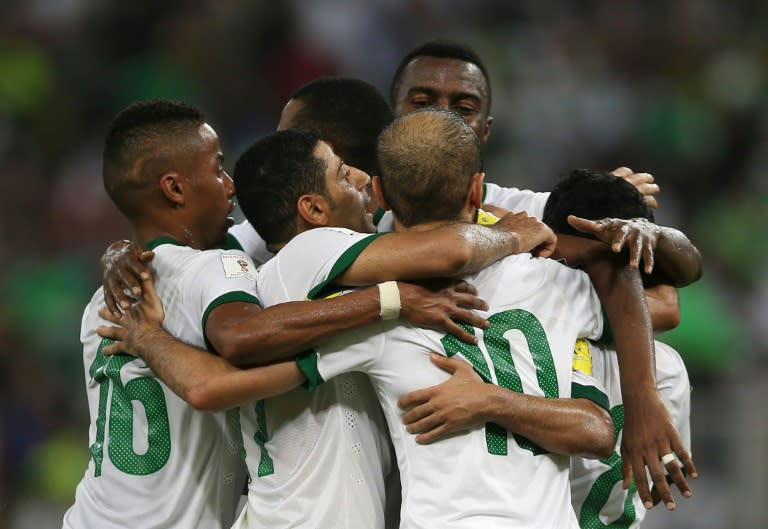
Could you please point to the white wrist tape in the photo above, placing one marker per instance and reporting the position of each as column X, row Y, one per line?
column 389, row 300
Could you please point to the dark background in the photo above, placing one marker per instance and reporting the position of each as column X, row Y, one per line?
column 677, row 89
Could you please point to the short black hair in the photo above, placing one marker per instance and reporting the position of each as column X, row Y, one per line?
column 593, row 195
column 427, row 160
column 156, row 127
column 271, row 176
column 441, row 49
column 349, row 114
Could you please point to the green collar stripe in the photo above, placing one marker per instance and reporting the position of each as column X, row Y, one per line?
column 377, row 216
column 229, row 297
column 579, row 391
column 342, row 263
column 154, row 243
column 308, row 365
column 485, row 192
column 607, row 336
column 231, row 243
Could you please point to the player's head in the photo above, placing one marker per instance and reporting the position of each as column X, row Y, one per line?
column 291, row 181
column 446, row 75
column 593, row 195
column 430, row 168
column 349, row 114
column 163, row 164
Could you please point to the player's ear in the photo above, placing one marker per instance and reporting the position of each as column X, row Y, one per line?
column 475, row 195
column 377, row 194
column 486, row 129
column 313, row 210
column 172, row 186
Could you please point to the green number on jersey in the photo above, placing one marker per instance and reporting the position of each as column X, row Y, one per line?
column 149, row 393
column 589, row 517
column 500, row 353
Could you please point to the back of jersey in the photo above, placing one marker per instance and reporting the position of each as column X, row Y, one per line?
column 155, row 461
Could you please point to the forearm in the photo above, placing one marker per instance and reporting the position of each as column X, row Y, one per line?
column 208, row 382
column 573, row 427
column 287, row 329
column 621, row 293
column 677, row 258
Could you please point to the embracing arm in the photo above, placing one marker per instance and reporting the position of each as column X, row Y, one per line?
column 452, row 250
column 205, row 381
column 562, row 426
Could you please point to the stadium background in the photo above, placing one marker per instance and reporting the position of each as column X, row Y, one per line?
column 677, row 89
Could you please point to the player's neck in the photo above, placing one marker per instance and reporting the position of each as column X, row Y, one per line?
column 426, row 226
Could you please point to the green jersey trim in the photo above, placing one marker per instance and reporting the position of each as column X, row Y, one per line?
column 377, row 215
column 485, row 192
column 607, row 337
column 229, row 297
column 307, row 364
column 340, row 266
column 231, row 243
column 154, row 243
column 579, row 391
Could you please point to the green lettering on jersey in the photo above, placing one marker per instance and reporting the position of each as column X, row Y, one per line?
column 499, row 350
column 266, row 465
column 144, row 390
column 597, row 498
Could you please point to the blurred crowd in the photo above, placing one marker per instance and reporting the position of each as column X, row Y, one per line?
column 678, row 89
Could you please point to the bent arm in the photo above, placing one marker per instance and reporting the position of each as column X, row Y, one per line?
column 677, row 258
column 452, row 250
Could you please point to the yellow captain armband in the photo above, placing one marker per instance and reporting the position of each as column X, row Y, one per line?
column 582, row 357
column 486, row 219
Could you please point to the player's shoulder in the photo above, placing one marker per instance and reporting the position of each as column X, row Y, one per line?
column 182, row 263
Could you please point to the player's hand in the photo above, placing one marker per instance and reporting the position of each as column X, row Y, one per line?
column 644, row 183
column 454, row 406
column 136, row 325
column 441, row 305
column 648, row 435
column 639, row 236
column 533, row 235
column 125, row 267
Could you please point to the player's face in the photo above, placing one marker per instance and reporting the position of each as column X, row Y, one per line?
column 450, row 84
column 211, row 189
column 348, row 192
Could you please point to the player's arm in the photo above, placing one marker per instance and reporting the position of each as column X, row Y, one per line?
column 448, row 251
column 662, row 249
column 574, row 427
column 205, row 381
column 246, row 334
column 664, row 307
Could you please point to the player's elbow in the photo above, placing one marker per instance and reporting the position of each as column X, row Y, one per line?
column 201, row 398
column 598, row 438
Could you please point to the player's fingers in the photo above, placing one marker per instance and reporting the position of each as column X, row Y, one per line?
column 112, row 349
column 465, row 287
column 659, row 479
column 470, row 317
column 146, row 256
column 424, row 424
column 651, row 201
column 648, row 258
column 109, row 315
column 110, row 333
column 451, row 327
column 622, row 171
column 416, row 413
column 432, row 435
column 109, row 299
column 687, row 462
column 626, row 471
column 584, row 225
column 675, row 472
column 469, row 301
column 414, row 398
column 450, row 365
column 647, row 189
column 643, row 490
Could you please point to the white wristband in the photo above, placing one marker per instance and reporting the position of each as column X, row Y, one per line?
column 389, row 300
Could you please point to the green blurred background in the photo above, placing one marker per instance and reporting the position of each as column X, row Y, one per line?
column 677, row 89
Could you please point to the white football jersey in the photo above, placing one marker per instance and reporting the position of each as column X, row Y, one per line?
column 511, row 198
column 485, row 477
column 244, row 237
column 157, row 462
column 598, row 497
column 315, row 460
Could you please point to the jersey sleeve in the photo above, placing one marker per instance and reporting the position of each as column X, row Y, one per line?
column 515, row 200
column 220, row 277
column 674, row 389
column 355, row 350
column 584, row 384
column 306, row 267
